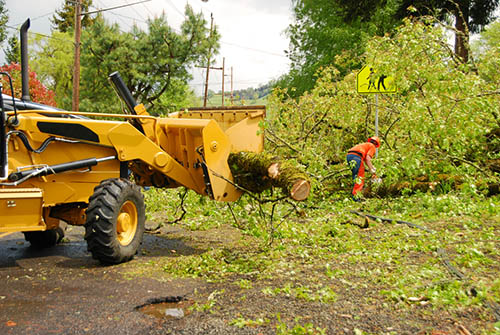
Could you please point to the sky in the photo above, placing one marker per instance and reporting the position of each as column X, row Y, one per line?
column 253, row 40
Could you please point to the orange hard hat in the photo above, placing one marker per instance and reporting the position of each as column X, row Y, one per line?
column 375, row 140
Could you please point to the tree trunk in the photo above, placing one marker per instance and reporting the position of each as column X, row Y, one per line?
column 257, row 172
column 462, row 34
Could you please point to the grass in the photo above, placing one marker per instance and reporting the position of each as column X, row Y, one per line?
column 320, row 254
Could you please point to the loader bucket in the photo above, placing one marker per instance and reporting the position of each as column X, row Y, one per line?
column 240, row 123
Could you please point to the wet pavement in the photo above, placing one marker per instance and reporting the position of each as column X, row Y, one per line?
column 62, row 290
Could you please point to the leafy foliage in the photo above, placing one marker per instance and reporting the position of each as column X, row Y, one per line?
column 470, row 17
column 53, row 62
column 251, row 93
column 324, row 262
column 38, row 92
column 151, row 63
column 13, row 51
column 476, row 14
column 435, row 124
column 488, row 51
column 154, row 63
column 324, row 31
column 4, row 18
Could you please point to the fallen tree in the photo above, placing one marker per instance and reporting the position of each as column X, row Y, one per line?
column 257, row 172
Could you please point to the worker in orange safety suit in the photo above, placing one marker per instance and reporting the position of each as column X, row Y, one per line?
column 357, row 157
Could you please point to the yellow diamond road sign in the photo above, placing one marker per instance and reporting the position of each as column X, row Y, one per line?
column 369, row 81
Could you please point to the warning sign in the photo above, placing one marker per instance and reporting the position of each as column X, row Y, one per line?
column 369, row 81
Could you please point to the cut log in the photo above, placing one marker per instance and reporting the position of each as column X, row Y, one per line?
column 257, row 172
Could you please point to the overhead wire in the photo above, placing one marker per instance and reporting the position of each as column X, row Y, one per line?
column 40, row 34
column 38, row 17
column 250, row 81
column 111, row 12
column 147, row 8
column 254, row 49
column 176, row 9
column 135, row 10
column 128, row 17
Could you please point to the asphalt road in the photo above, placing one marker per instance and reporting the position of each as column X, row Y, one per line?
column 62, row 290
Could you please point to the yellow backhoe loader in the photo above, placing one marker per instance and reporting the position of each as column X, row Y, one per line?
column 59, row 167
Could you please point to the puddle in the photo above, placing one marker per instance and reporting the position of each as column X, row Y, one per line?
column 167, row 308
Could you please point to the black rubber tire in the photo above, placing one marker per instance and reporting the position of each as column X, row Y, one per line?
column 101, row 223
column 47, row 238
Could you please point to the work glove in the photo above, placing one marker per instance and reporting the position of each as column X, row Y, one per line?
column 375, row 179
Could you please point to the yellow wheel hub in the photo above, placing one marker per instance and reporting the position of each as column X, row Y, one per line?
column 126, row 223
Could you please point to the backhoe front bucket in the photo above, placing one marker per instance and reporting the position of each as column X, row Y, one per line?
column 222, row 130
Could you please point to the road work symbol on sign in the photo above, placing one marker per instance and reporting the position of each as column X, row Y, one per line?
column 369, row 81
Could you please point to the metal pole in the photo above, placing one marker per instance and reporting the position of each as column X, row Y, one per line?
column 24, row 62
column 223, row 65
column 376, row 120
column 76, row 68
column 232, row 101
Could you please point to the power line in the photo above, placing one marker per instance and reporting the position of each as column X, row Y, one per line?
column 135, row 10
column 40, row 34
column 254, row 49
column 236, row 82
column 176, row 9
column 118, row 15
column 128, row 17
column 112, row 8
column 38, row 17
column 147, row 8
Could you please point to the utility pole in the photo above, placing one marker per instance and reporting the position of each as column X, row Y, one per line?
column 229, row 75
column 76, row 68
column 208, row 59
column 223, row 67
column 232, row 101
column 78, row 36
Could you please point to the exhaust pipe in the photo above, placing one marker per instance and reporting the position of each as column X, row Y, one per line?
column 123, row 91
column 24, row 61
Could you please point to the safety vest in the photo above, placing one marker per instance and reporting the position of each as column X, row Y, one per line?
column 363, row 149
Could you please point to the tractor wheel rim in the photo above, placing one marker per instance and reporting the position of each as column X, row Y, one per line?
column 126, row 223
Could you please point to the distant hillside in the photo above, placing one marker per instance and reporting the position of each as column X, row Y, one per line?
column 253, row 93
column 248, row 96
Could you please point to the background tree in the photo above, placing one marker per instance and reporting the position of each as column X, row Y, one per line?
column 326, row 32
column 490, row 37
column 4, row 18
column 471, row 16
column 13, row 51
column 152, row 63
column 64, row 18
column 487, row 53
column 38, row 92
column 52, row 60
